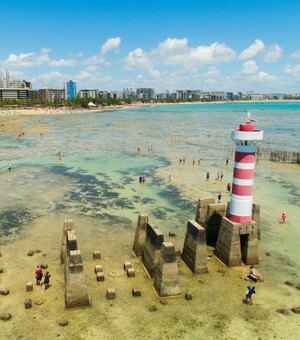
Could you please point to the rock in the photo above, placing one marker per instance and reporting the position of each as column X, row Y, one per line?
column 5, row 316
column 127, row 265
column 268, row 254
column 31, row 252
column 297, row 286
column 38, row 302
column 136, row 292
column 289, row 283
column 163, row 301
column 222, row 271
column 28, row 303
column 110, row 294
column 152, row 308
column 29, row 287
column 97, row 254
column 131, row 272
column 63, row 322
column 98, row 268
column 1, row 269
column 38, row 251
column 171, row 234
column 282, row 311
column 296, row 310
column 0, row 254
column 100, row 276
column 44, row 265
column 4, row 291
column 188, row 296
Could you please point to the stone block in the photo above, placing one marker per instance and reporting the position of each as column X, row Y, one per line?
column 188, row 296
column 136, row 292
column 29, row 287
column 98, row 268
column 130, row 272
column 63, row 322
column 96, row 255
column 100, row 276
column 1, row 270
column 4, row 291
column 110, row 294
column 71, row 240
column 28, row 303
column 127, row 265
column 44, row 265
column 5, row 316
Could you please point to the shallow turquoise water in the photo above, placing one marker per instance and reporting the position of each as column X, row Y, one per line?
column 100, row 166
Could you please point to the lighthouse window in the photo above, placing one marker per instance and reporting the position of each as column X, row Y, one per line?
column 246, row 142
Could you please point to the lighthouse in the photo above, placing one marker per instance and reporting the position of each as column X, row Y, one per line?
column 245, row 138
column 239, row 230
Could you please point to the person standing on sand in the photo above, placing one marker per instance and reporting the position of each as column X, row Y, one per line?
column 47, row 280
column 283, row 217
column 250, row 291
column 38, row 275
column 207, row 176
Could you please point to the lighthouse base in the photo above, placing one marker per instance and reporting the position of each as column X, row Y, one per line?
column 237, row 243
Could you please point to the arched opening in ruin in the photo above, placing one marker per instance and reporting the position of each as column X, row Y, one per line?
column 244, row 246
column 212, row 229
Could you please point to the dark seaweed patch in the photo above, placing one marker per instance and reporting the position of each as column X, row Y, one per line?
column 10, row 219
column 147, row 200
column 159, row 213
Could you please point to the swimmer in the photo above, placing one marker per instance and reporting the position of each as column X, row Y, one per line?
column 283, row 217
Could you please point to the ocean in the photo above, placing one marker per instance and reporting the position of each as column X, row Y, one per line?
column 97, row 178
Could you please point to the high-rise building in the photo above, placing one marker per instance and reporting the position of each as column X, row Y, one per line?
column 70, row 89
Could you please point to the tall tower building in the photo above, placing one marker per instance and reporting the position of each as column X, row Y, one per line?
column 70, row 89
column 238, row 235
column 245, row 138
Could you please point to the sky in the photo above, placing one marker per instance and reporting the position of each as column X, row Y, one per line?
column 212, row 45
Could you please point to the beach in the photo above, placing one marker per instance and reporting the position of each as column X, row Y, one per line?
column 96, row 184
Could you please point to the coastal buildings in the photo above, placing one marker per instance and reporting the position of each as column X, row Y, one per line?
column 14, row 93
column 70, row 88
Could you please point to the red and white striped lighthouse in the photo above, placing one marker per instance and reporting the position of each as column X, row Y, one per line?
column 245, row 138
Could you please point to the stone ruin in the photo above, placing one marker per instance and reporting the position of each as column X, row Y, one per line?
column 151, row 250
column 234, row 242
column 166, row 280
column 140, row 234
column 76, row 293
column 159, row 258
column 194, row 253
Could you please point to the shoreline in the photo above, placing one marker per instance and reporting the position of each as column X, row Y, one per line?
column 66, row 110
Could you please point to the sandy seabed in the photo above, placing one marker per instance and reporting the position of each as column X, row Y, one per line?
column 215, row 312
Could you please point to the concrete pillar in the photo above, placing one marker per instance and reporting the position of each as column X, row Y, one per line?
column 68, row 225
column 166, row 280
column 151, row 250
column 140, row 234
column 194, row 253
column 201, row 213
column 237, row 242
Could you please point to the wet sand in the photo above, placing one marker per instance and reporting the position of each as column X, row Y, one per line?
column 216, row 310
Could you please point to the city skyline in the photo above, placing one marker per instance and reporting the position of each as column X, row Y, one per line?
column 226, row 46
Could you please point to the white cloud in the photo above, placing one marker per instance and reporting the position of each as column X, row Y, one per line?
column 295, row 54
column 254, row 49
column 249, row 67
column 294, row 71
column 26, row 60
column 212, row 72
column 108, row 46
column 263, row 76
column 272, row 53
column 173, row 52
column 62, row 62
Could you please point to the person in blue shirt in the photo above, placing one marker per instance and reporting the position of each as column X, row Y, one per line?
column 250, row 291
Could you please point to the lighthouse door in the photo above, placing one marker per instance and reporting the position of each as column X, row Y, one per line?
column 244, row 238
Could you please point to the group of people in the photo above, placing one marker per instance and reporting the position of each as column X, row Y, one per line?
column 142, row 179
column 39, row 277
